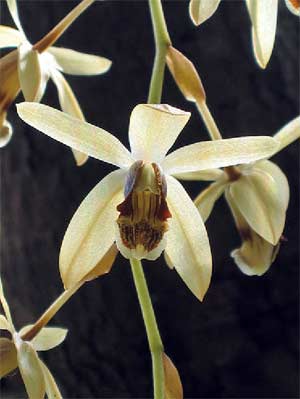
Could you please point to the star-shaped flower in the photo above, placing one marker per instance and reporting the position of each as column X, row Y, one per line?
column 29, row 67
column 258, row 196
column 141, row 206
column 18, row 353
column 263, row 15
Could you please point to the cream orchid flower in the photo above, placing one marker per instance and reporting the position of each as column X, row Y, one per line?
column 263, row 15
column 141, row 206
column 258, row 196
column 31, row 66
column 15, row 352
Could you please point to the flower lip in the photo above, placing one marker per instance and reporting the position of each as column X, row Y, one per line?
column 143, row 215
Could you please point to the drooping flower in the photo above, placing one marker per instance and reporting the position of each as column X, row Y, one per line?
column 258, row 196
column 141, row 206
column 29, row 67
column 263, row 15
column 15, row 352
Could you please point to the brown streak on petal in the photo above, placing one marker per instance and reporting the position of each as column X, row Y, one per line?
column 295, row 3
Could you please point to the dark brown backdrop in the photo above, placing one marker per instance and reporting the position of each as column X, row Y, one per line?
column 242, row 341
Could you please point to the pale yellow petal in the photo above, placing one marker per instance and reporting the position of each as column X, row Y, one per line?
column 76, row 134
column 76, row 63
column 13, row 9
column 91, row 231
column 173, row 386
column 10, row 37
column 8, row 357
column 288, row 133
column 206, row 200
column 6, row 132
column 31, row 371
column 185, row 75
column 30, row 74
column 5, row 307
column 153, row 130
column 262, row 197
column 104, row 265
column 201, row 10
column 256, row 255
column 47, row 338
column 52, row 389
column 204, row 175
column 69, row 104
column 293, row 6
column 263, row 16
column 4, row 324
column 219, row 153
column 187, row 243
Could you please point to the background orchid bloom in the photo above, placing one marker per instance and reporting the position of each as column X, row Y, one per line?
column 258, row 196
column 31, row 66
column 18, row 353
column 263, row 15
column 156, row 213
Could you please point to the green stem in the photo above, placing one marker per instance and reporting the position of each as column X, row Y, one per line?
column 155, row 343
column 162, row 42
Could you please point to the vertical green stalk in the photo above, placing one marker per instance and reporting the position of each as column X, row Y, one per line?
column 162, row 42
column 154, row 340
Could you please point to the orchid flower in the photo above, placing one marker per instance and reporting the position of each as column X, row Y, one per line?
column 263, row 15
column 29, row 67
column 258, row 196
column 141, row 206
column 15, row 352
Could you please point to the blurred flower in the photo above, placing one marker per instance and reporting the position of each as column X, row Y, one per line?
column 18, row 353
column 31, row 66
column 258, row 196
column 263, row 15
column 154, row 201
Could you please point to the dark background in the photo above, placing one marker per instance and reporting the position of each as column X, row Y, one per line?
column 243, row 340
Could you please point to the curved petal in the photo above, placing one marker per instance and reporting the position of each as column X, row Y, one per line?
column 293, row 6
column 76, row 63
column 256, row 255
column 153, row 130
column 4, row 324
column 262, row 197
column 6, row 132
column 8, row 357
column 10, row 37
column 202, row 175
column 13, row 9
column 219, row 153
column 31, row 371
column 70, row 105
column 91, row 231
column 5, row 307
column 201, row 10
column 187, row 243
column 77, row 134
column 52, row 390
column 47, row 338
column 263, row 16
column 288, row 133
column 30, row 73
column 173, row 386
column 206, row 200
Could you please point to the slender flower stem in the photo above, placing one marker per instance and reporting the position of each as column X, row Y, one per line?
column 209, row 121
column 155, row 343
column 60, row 28
column 162, row 42
column 51, row 312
